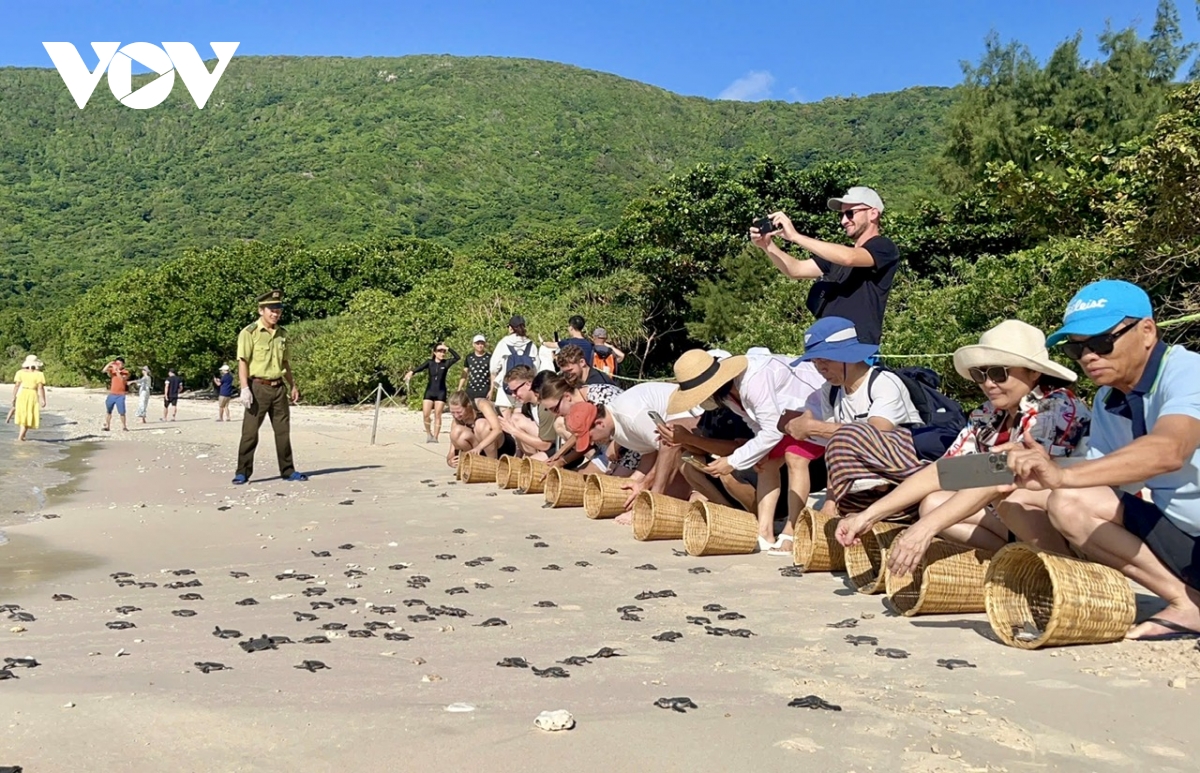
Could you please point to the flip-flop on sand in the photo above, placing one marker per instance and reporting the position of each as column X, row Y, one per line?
column 676, row 704
column 813, row 702
column 1177, row 631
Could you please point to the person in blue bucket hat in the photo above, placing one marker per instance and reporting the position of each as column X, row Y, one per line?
column 1145, row 436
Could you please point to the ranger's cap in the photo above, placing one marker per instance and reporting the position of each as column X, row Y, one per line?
column 272, row 297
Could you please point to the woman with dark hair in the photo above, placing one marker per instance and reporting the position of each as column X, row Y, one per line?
column 1028, row 395
column 434, row 401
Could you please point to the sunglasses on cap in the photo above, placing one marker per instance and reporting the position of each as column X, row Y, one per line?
column 997, row 374
column 1099, row 345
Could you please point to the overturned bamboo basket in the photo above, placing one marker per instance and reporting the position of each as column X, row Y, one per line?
column 866, row 562
column 948, row 580
column 508, row 471
column 658, row 516
column 1037, row 599
column 531, row 478
column 564, row 488
column 715, row 530
column 603, row 496
column 815, row 545
column 474, row 468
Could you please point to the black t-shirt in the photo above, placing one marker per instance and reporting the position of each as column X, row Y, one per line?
column 857, row 293
column 479, row 377
column 597, row 376
column 172, row 387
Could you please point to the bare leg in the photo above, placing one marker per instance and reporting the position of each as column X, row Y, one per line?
column 978, row 530
column 426, row 410
column 462, row 438
column 799, row 487
column 703, row 488
column 1024, row 512
column 1093, row 520
column 768, row 497
column 438, row 407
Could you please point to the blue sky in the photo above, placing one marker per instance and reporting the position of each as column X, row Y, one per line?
column 793, row 51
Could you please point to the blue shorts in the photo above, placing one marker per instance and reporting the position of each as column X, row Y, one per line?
column 115, row 401
column 1178, row 550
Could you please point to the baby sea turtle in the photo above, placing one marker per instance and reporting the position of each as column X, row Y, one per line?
column 22, row 617
column 182, row 572
column 351, row 573
column 868, row 640
column 205, row 667
column 492, row 622
column 420, row 618
column 532, row 536
column 482, row 586
column 304, row 617
column 119, row 625
column 361, row 633
column 6, row 674
column 398, row 567
column 694, row 620
column 246, row 603
column 849, row 622
column 183, row 612
column 891, row 652
column 375, row 625
column 343, row 601
column 813, row 702
column 181, row 584
column 731, row 616
column 575, row 660
column 347, row 546
column 552, row 568
column 124, row 583
column 63, row 597
column 485, row 559
column 315, row 640
column 50, row 516
column 630, row 617
column 333, row 627
column 630, row 608
column 428, row 480
column 647, row 567
column 127, row 610
column 413, row 603
column 953, row 663
column 513, row 663
column 280, row 640
column 320, row 605
column 190, row 597
column 541, row 544
column 553, row 672
column 741, row 633
column 258, row 645
column 651, row 594
column 713, row 608
column 144, row 585
column 384, row 610
column 473, row 563
column 239, row 575
column 226, row 633
column 120, row 575
column 609, row 552
column 605, row 652
column 456, row 591
column 302, row 577
column 668, row 636
column 508, row 569
column 678, row 552
column 346, row 502
column 545, row 604
column 312, row 666
column 419, row 578
column 698, row 570
column 583, row 564
column 449, row 611
column 460, row 531
column 676, row 704
column 791, row 571
column 321, row 553
column 445, row 556
column 314, row 591
column 397, row 636
column 21, row 663
column 443, row 496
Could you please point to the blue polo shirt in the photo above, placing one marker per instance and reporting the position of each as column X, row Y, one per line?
column 1170, row 386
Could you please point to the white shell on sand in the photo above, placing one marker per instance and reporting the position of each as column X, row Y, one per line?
column 555, row 720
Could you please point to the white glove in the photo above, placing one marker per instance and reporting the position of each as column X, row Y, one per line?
column 246, row 398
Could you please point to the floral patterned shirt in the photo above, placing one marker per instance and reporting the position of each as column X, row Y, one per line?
column 1058, row 420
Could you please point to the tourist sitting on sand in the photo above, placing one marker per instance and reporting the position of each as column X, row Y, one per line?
column 520, row 424
column 475, row 429
column 29, row 396
column 575, row 366
column 760, row 387
column 862, row 414
column 1145, row 434
column 556, row 397
column 1026, row 392
column 624, row 433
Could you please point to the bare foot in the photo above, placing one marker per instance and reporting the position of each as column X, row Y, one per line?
column 625, row 518
column 1172, row 621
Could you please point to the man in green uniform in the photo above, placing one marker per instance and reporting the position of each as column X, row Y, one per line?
column 266, row 379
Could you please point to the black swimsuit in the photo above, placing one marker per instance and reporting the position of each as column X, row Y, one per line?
column 436, row 390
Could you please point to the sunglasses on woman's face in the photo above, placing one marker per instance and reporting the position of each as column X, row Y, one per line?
column 1099, row 345
column 997, row 374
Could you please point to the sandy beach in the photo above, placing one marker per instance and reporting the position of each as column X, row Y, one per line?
column 156, row 501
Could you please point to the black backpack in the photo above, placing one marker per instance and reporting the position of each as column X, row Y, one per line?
column 942, row 417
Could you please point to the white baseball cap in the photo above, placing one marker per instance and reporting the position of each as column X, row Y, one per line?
column 859, row 194
column 479, row 338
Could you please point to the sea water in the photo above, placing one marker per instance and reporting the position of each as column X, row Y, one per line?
column 29, row 469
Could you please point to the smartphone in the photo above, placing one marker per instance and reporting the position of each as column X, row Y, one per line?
column 657, row 419
column 765, row 225
column 981, row 470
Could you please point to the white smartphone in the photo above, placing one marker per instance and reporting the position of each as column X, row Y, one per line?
column 657, row 419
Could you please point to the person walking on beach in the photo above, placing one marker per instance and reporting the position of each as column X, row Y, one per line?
column 118, row 387
column 434, row 400
column 29, row 395
column 224, row 385
column 264, row 372
column 144, row 384
column 851, row 282
column 171, row 389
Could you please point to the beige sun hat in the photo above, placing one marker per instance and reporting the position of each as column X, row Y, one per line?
column 31, row 361
column 1012, row 343
column 699, row 374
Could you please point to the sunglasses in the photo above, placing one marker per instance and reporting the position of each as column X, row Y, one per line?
column 512, row 391
column 850, row 213
column 1099, row 345
column 997, row 374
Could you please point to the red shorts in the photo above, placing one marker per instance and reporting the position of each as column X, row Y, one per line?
column 790, row 445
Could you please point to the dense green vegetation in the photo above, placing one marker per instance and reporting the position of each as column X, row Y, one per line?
column 1031, row 219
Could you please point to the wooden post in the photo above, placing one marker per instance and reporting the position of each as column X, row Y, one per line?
column 378, row 400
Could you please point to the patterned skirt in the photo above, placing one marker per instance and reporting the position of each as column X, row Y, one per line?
column 865, row 463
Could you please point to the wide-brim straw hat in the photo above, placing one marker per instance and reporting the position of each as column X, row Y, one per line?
column 1012, row 343
column 699, row 375
column 31, row 361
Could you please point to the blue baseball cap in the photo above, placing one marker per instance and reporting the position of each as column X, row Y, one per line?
column 1101, row 306
column 835, row 338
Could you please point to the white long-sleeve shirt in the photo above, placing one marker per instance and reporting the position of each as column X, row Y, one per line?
column 499, row 363
column 768, row 387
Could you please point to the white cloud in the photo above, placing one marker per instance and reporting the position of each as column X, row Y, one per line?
column 794, row 95
column 751, row 87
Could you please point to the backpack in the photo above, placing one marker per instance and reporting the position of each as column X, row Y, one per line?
column 942, row 417
column 516, row 358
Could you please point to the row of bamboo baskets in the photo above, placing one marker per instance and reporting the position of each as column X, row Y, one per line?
column 1032, row 598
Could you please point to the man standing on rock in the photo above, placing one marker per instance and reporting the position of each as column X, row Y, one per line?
column 851, row 281
column 266, row 378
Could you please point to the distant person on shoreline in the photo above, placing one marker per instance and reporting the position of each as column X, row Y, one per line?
column 144, row 384
column 171, row 389
column 29, row 394
column 265, row 374
column 224, row 385
column 118, row 387
column 852, row 282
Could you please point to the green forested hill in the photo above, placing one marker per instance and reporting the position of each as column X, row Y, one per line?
column 327, row 150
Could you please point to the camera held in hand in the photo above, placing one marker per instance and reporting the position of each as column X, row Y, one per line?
column 765, row 226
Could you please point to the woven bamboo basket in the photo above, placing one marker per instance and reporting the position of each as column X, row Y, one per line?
column 657, row 516
column 866, row 562
column 474, row 468
column 531, row 479
column 815, row 546
column 1064, row 600
column 715, row 530
column 564, row 488
column 508, row 470
column 948, row 580
column 603, row 496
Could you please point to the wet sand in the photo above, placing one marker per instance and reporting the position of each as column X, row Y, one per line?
column 158, row 499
